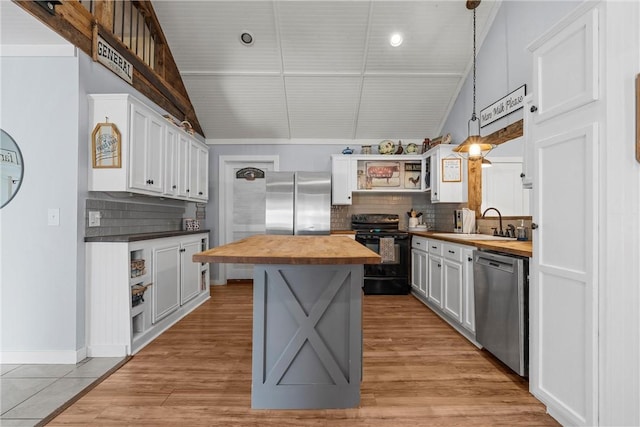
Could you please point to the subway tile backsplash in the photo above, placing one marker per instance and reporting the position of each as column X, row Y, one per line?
column 133, row 217
column 436, row 216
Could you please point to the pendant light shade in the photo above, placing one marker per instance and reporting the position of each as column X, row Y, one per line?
column 473, row 147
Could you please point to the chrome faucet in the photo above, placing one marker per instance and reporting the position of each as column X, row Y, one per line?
column 500, row 219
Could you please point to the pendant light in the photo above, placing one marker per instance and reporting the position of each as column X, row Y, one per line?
column 473, row 147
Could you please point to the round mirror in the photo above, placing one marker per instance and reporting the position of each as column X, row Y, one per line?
column 11, row 168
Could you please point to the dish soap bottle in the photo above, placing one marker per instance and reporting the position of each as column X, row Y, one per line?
column 521, row 231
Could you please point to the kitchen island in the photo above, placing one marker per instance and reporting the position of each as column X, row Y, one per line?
column 307, row 318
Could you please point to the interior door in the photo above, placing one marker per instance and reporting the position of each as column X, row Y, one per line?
column 242, row 204
column 565, row 129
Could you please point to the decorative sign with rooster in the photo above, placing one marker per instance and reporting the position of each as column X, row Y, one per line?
column 412, row 176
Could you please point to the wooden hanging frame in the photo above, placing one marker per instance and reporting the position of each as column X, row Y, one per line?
column 106, row 146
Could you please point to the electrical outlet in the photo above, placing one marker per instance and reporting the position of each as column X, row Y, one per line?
column 94, row 218
column 53, row 217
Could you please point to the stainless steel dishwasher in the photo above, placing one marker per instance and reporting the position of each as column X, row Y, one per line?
column 501, row 292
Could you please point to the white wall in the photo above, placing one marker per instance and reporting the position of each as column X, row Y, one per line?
column 504, row 64
column 42, row 290
column 39, row 263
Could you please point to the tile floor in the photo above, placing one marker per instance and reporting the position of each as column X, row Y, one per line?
column 30, row 393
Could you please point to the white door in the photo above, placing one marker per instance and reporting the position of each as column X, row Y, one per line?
column 564, row 129
column 242, row 204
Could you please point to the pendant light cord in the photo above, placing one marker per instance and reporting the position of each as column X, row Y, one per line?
column 473, row 116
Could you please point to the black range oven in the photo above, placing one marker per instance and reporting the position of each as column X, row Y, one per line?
column 379, row 232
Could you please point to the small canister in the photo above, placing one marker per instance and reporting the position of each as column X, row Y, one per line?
column 521, row 232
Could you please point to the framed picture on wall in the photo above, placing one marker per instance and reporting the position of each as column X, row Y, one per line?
column 106, row 146
column 451, row 170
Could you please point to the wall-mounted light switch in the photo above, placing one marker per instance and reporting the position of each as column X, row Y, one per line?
column 94, row 218
column 53, row 217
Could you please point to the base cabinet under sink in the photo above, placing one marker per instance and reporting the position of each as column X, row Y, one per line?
column 442, row 279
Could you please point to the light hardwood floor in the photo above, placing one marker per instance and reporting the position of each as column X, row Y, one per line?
column 417, row 372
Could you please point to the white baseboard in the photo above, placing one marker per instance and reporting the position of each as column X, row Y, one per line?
column 108, row 350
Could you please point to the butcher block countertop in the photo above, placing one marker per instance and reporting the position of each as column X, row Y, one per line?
column 277, row 249
column 512, row 247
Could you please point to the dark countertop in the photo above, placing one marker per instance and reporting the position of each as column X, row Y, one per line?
column 142, row 236
column 513, row 247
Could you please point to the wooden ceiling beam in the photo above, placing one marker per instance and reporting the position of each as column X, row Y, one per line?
column 513, row 131
column 76, row 24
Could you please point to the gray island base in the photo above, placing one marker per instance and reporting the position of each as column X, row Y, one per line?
column 307, row 336
column 307, row 318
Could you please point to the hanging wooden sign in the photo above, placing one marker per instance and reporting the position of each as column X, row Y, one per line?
column 106, row 146
column 503, row 107
column 109, row 57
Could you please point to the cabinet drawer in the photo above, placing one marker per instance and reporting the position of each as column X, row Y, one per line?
column 452, row 252
column 435, row 247
column 419, row 243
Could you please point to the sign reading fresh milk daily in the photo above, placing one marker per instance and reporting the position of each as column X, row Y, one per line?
column 507, row 105
column 110, row 58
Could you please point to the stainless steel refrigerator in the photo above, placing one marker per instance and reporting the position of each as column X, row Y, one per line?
column 298, row 202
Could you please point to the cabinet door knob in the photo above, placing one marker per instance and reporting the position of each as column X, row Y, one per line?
column 469, row 259
column 522, row 175
column 200, row 193
column 452, row 252
column 174, row 187
column 533, row 109
column 187, row 190
column 534, row 225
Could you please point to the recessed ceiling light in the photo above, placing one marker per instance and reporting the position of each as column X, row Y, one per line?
column 395, row 40
column 246, row 38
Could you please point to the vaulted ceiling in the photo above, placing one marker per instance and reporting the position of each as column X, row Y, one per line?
column 316, row 69
column 322, row 69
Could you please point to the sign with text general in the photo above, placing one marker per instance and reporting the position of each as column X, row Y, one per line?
column 110, row 58
column 503, row 107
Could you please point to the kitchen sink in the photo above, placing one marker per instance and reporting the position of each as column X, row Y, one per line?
column 473, row 236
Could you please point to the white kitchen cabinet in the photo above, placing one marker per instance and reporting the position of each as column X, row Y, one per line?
column 502, row 187
column 198, row 187
column 441, row 189
column 166, row 279
column 448, row 269
column 342, row 179
column 155, row 154
column 435, row 272
column 189, row 271
column 397, row 173
column 468, row 299
column 176, row 164
column 174, row 286
column 452, row 281
column 565, row 130
column 419, row 265
column 146, row 169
